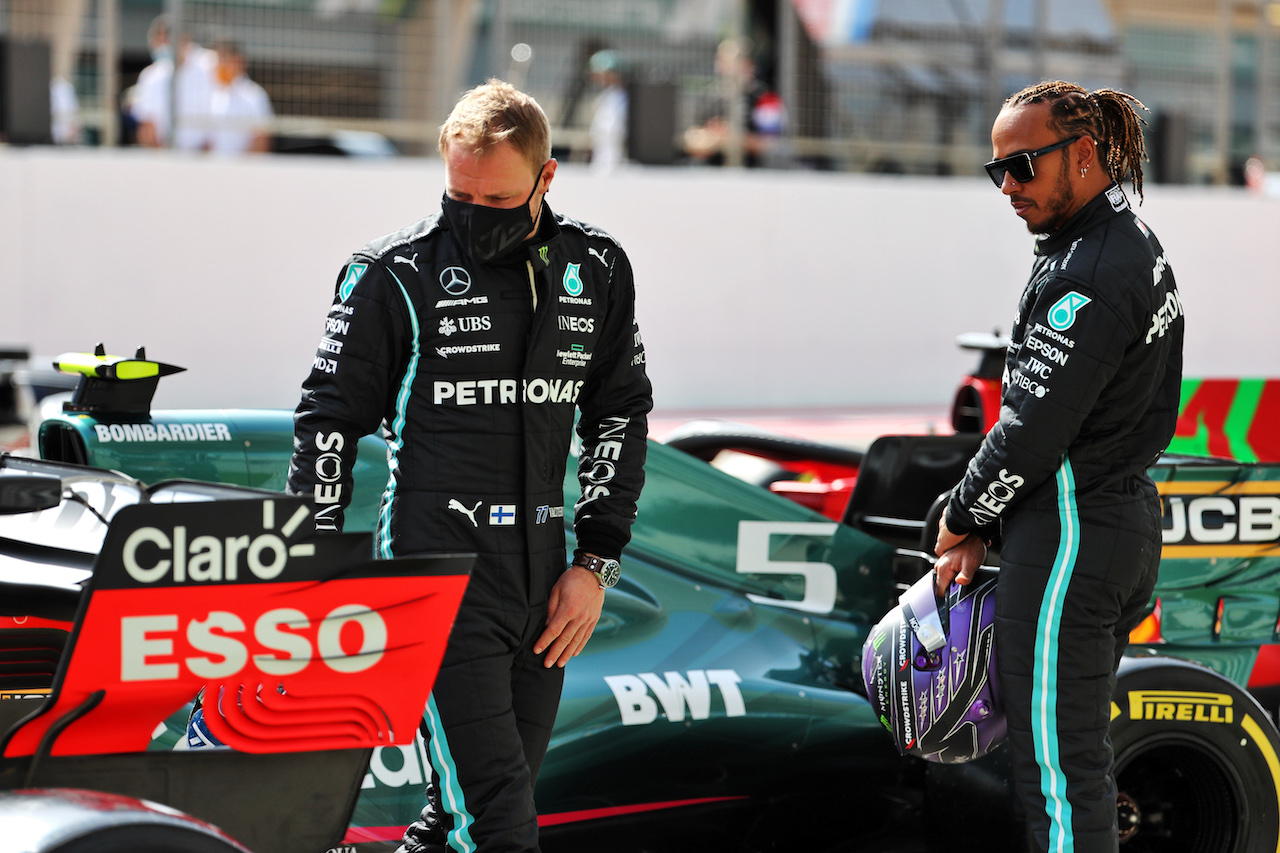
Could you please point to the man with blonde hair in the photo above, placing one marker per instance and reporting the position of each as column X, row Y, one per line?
column 469, row 338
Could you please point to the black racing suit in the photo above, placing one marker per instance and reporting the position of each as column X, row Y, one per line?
column 473, row 372
column 1090, row 398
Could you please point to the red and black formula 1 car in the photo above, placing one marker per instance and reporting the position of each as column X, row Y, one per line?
column 119, row 603
column 1221, row 418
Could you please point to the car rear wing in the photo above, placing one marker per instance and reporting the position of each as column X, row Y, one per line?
column 319, row 652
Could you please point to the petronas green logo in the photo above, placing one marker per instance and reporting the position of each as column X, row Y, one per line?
column 354, row 271
column 572, row 281
column 1063, row 312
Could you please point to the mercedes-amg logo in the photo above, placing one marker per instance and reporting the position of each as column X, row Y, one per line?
column 455, row 281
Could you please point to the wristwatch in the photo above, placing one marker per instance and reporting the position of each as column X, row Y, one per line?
column 607, row 572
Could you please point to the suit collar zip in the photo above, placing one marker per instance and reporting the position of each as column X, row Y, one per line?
column 1108, row 204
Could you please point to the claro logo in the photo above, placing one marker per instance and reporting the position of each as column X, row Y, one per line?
column 151, row 554
column 283, row 642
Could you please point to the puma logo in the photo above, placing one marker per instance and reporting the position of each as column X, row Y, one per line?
column 413, row 262
column 598, row 255
column 469, row 513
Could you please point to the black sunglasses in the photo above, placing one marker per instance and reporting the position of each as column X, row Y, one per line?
column 1019, row 165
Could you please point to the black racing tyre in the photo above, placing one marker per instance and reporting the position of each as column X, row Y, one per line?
column 147, row 838
column 1197, row 762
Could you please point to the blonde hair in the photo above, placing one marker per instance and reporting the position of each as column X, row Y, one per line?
column 498, row 112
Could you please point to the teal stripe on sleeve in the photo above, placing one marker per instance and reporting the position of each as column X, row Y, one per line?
column 397, row 426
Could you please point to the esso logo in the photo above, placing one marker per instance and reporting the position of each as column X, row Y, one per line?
column 283, row 642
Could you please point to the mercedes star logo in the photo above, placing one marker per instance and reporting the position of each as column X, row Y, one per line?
column 455, row 281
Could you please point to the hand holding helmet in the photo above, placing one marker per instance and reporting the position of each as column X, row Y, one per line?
column 929, row 670
column 959, row 556
column 959, row 563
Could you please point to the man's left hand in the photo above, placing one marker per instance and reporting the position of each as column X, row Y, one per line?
column 959, row 563
column 572, row 613
column 947, row 539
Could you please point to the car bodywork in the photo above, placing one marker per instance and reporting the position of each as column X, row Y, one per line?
column 710, row 648
column 719, row 702
column 120, row 602
column 1224, row 417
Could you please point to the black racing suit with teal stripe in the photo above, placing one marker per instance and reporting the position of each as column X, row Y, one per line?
column 1090, row 399
column 473, row 372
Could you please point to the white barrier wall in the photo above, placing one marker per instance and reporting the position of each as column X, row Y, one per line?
column 756, row 289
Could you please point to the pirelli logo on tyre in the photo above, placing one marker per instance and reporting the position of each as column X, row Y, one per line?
column 1187, row 706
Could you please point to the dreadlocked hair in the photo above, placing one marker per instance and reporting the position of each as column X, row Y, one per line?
column 1107, row 115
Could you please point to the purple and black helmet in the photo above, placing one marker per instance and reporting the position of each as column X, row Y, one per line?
column 929, row 668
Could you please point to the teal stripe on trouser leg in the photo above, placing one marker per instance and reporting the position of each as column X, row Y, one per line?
column 1044, row 699
column 452, row 799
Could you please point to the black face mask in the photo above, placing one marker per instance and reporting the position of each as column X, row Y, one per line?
column 489, row 232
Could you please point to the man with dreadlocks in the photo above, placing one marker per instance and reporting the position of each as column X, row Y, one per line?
column 1091, row 385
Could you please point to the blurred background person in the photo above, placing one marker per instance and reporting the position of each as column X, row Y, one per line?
column 749, row 109
column 240, row 110
column 154, row 93
column 64, row 108
column 608, row 129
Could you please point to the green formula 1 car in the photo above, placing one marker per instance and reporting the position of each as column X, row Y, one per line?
column 720, row 703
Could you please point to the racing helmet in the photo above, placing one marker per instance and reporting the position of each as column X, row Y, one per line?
column 929, row 670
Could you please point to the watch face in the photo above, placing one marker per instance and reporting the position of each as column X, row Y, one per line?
column 610, row 572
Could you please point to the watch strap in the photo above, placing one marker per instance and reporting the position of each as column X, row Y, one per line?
column 604, row 569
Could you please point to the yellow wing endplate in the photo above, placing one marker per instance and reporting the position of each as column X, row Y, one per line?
column 119, row 368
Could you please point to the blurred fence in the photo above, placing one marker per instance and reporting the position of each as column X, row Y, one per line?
column 907, row 86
